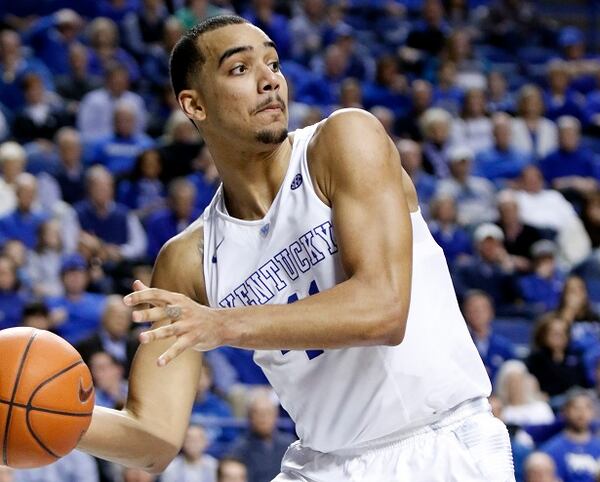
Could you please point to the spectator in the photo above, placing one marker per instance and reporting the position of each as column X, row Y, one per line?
column 36, row 315
column 13, row 66
column 12, row 300
column 196, row 11
column 193, row 465
column 12, row 163
column 77, row 81
column 491, row 269
column 386, row 118
column 143, row 191
column 231, row 470
column 182, row 145
column 532, row 133
column 541, row 288
column 421, row 99
column 52, row 37
column 470, row 69
column 180, row 213
column 263, row 447
column 109, row 382
column 560, row 100
column 23, row 223
column 474, row 128
column 571, row 168
column 548, row 209
column 451, row 237
column 307, row 30
column 435, row 129
column 77, row 313
column 389, row 88
column 114, row 336
column 351, row 95
column 205, row 177
column 70, row 175
column 494, row 349
column 103, row 36
column 501, row 161
column 576, row 449
column 447, row 94
column 575, row 305
column 120, row 233
column 591, row 218
column 500, row 99
column 17, row 252
column 475, row 196
column 95, row 119
column 518, row 237
column 73, row 466
column 522, row 401
column 118, row 151
column 43, row 262
column 411, row 157
column 143, row 29
column 540, row 467
column 592, row 108
column 42, row 115
column 556, row 367
column 427, row 37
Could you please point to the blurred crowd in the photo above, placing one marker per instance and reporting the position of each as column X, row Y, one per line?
column 495, row 111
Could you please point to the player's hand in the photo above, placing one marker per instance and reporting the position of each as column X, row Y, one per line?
column 192, row 324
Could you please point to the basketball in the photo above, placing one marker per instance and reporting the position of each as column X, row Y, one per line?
column 46, row 397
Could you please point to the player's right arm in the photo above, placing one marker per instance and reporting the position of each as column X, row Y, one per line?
column 149, row 431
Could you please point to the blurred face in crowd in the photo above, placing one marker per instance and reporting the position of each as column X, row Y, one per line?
column 575, row 291
column 478, row 313
column 517, row 387
column 539, row 467
column 314, row 8
column 12, row 167
column 557, row 338
column 182, row 200
column 439, row 131
column 151, row 165
column 262, row 415
column 105, row 371
column 350, row 93
column 447, row 74
column 444, row 210
column 475, row 103
column 194, row 443
column 532, row 180
column 34, row 90
column 75, row 281
column 26, row 191
column 502, row 131
column 116, row 318
column 38, row 321
column 8, row 276
column 69, row 147
column 433, row 11
column 336, row 62
column 569, row 138
column 509, row 212
column 496, row 85
column 421, row 95
column 78, row 59
column 10, row 46
column 460, row 169
column 172, row 33
column 232, row 471
column 558, row 78
column 579, row 413
column 410, row 155
column 125, row 121
column 101, row 189
column 489, row 249
column 531, row 104
column 117, row 81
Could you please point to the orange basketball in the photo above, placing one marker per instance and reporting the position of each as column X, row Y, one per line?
column 46, row 397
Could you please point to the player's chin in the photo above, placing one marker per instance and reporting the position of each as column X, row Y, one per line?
column 274, row 134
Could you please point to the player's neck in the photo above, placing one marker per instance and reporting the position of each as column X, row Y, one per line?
column 251, row 180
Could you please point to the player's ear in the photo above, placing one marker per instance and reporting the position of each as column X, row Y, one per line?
column 192, row 104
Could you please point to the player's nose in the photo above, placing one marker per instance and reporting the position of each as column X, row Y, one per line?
column 268, row 80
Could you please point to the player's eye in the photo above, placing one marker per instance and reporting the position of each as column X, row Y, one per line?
column 238, row 69
column 275, row 66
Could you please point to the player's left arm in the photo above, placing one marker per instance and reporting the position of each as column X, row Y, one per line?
column 356, row 170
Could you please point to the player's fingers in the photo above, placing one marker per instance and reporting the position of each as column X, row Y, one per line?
column 149, row 295
column 149, row 314
column 160, row 333
column 176, row 349
column 138, row 285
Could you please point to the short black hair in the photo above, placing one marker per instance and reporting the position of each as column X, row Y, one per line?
column 35, row 308
column 186, row 57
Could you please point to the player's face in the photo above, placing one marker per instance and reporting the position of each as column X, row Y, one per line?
column 243, row 92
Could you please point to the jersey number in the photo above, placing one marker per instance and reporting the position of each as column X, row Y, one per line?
column 313, row 289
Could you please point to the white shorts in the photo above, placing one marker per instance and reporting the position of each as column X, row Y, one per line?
column 468, row 444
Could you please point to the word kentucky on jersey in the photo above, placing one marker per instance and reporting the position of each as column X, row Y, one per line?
column 284, row 268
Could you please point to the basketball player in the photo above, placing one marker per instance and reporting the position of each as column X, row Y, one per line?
column 314, row 254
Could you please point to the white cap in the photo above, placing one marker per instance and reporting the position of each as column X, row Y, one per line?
column 488, row 230
column 460, row 153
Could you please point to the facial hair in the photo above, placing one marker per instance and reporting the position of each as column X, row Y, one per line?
column 271, row 136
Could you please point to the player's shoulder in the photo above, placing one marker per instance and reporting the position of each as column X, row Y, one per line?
column 180, row 261
column 346, row 133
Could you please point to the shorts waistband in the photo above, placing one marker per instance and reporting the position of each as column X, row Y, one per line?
column 450, row 417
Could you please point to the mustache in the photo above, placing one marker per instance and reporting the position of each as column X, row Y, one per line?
column 268, row 101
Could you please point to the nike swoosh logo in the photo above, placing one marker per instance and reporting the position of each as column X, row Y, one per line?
column 85, row 393
column 214, row 258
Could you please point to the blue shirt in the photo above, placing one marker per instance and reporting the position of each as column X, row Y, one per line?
column 118, row 153
column 542, row 292
column 494, row 351
column 83, row 315
column 11, row 309
column 112, row 228
column 495, row 164
column 454, row 240
column 575, row 462
column 22, row 226
column 162, row 226
column 561, row 163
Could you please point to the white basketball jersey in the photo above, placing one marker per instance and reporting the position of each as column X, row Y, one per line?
column 345, row 397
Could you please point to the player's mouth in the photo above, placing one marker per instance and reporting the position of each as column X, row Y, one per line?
column 272, row 107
